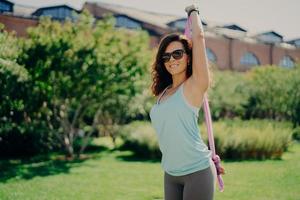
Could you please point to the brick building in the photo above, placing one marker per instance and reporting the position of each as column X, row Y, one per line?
column 227, row 46
column 18, row 24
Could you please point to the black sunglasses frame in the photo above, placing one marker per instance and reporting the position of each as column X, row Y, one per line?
column 176, row 54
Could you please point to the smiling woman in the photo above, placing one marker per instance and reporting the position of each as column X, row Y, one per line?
column 180, row 80
column 174, row 56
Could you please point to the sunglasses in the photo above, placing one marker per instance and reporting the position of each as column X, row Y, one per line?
column 177, row 54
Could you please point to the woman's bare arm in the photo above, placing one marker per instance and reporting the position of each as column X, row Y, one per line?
column 200, row 62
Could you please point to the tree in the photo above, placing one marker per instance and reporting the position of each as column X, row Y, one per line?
column 274, row 93
column 84, row 74
column 12, row 78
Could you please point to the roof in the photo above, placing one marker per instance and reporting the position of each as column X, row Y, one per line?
column 157, row 22
column 11, row 3
column 25, row 11
column 234, row 27
column 293, row 41
column 165, row 21
column 53, row 7
column 156, row 19
column 230, row 33
column 184, row 19
column 270, row 32
column 286, row 45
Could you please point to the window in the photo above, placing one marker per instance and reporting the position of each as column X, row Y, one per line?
column 287, row 62
column 49, row 12
column 4, row 7
column 125, row 22
column 249, row 59
column 270, row 38
column 59, row 13
column 297, row 43
column 211, row 55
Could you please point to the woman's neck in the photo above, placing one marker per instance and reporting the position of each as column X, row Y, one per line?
column 177, row 80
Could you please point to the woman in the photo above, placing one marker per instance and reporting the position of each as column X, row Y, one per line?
column 180, row 80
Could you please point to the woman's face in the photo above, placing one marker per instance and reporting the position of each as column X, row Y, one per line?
column 178, row 64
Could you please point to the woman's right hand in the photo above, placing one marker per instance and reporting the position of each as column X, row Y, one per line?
column 221, row 170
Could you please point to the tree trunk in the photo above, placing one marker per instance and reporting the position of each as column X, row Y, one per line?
column 69, row 147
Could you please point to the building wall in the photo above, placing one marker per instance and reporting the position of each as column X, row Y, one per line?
column 241, row 48
column 280, row 52
column 219, row 46
column 17, row 24
column 154, row 41
column 228, row 51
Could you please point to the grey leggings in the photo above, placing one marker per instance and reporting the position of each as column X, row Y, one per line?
column 199, row 185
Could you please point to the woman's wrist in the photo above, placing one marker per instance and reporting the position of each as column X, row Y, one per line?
column 193, row 10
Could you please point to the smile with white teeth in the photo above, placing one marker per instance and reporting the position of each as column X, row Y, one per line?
column 174, row 65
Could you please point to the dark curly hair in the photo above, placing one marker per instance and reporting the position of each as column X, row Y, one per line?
column 160, row 76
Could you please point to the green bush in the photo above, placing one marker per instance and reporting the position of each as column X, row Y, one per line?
column 84, row 75
column 19, row 134
column 26, row 139
column 274, row 93
column 254, row 139
column 228, row 94
column 69, row 80
column 296, row 134
column 234, row 139
column 140, row 138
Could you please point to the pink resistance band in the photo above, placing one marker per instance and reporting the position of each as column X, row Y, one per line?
column 216, row 159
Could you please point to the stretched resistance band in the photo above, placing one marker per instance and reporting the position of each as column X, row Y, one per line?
column 216, row 159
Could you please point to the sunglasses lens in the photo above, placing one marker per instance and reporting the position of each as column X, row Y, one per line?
column 166, row 57
column 177, row 54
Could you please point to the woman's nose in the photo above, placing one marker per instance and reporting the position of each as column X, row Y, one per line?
column 172, row 59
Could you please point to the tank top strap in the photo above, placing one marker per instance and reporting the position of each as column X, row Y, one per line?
column 158, row 99
column 181, row 86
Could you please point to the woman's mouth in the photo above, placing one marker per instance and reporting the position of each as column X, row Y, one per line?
column 174, row 65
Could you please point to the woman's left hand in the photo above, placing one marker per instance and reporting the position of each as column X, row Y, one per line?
column 188, row 8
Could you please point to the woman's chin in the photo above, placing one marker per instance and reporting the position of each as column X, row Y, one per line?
column 174, row 71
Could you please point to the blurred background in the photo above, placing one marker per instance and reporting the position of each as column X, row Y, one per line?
column 75, row 82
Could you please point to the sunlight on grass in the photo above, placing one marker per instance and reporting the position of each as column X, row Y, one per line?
column 119, row 175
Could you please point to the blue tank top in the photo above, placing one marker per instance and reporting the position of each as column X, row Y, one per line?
column 175, row 122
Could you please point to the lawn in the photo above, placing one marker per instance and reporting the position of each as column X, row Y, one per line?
column 118, row 175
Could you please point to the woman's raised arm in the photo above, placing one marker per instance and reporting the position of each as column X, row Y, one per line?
column 200, row 76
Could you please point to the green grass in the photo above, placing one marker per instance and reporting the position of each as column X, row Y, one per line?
column 119, row 175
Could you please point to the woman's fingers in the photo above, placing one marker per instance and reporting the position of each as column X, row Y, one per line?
column 188, row 8
column 222, row 170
